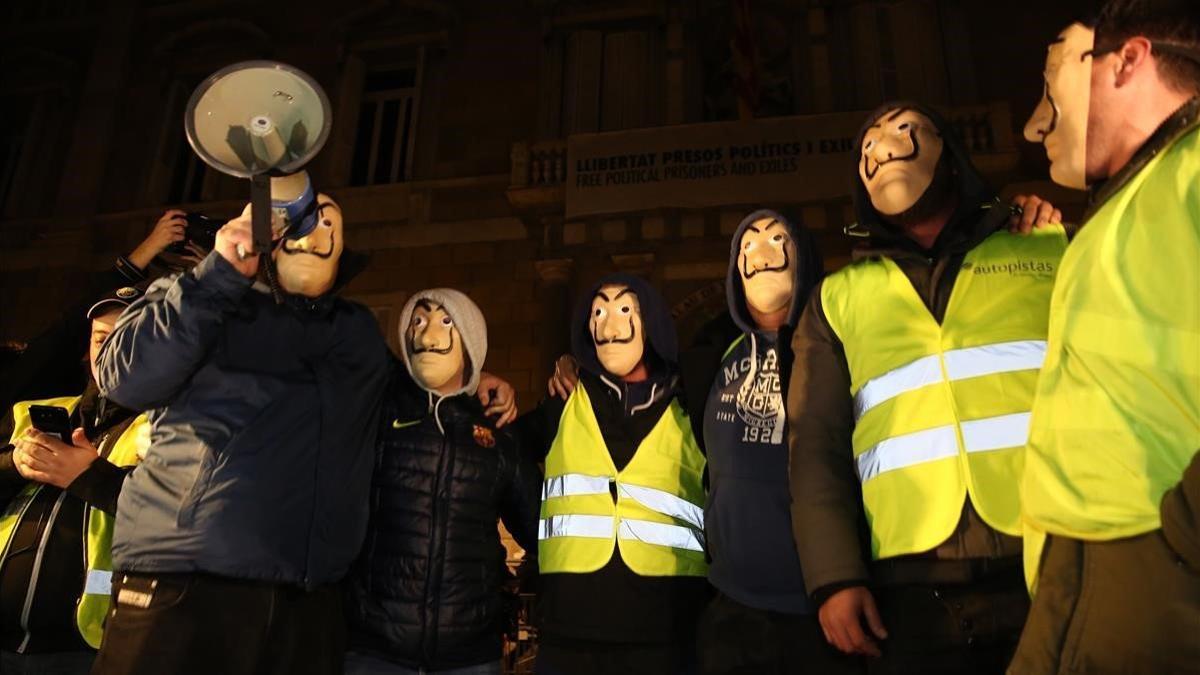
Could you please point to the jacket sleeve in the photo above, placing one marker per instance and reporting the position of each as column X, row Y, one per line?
column 522, row 502
column 100, row 485
column 535, row 430
column 1180, row 512
column 163, row 337
column 827, row 518
column 698, row 367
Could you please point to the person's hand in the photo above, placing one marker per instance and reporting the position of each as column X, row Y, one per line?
column 566, row 374
column 233, row 233
column 842, row 618
column 46, row 459
column 498, row 397
column 1035, row 212
column 168, row 230
column 192, row 254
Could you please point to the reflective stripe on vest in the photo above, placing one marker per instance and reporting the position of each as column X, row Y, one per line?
column 601, row 527
column 94, row 602
column 1116, row 421
column 898, row 452
column 961, row 364
column 656, row 520
column 942, row 409
column 659, row 501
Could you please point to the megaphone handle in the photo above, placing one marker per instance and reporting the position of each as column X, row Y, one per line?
column 260, row 212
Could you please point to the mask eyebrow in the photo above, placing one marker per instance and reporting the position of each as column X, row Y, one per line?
column 627, row 290
column 600, row 294
column 899, row 111
column 426, row 305
column 773, row 223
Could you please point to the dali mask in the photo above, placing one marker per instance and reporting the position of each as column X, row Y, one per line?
column 766, row 254
column 435, row 348
column 900, row 155
column 615, row 323
column 308, row 266
column 1060, row 120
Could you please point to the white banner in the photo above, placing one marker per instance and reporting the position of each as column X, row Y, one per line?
column 782, row 159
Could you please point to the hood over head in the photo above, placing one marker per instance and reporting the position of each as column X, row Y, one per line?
column 662, row 345
column 966, row 182
column 469, row 321
column 806, row 269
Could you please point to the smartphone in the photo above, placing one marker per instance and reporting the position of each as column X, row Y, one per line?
column 51, row 419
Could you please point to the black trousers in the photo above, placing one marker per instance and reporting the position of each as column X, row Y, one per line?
column 735, row 639
column 604, row 658
column 194, row 623
column 950, row 629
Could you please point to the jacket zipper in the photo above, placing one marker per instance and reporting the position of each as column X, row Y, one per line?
column 433, row 524
column 37, row 567
column 312, row 516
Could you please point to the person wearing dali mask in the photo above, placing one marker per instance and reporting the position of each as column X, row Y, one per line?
column 908, row 408
column 733, row 383
column 621, row 535
column 1111, row 487
column 427, row 593
column 232, row 536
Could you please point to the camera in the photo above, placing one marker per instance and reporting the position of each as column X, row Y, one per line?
column 200, row 230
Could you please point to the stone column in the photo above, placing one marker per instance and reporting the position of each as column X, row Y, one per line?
column 554, row 319
column 96, row 112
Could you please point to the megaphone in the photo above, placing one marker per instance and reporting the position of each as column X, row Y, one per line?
column 258, row 120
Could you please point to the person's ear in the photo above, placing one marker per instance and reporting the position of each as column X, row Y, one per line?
column 1130, row 57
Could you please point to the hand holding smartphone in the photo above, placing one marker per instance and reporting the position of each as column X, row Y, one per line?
column 51, row 419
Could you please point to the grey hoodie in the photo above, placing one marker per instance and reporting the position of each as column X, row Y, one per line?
column 471, row 325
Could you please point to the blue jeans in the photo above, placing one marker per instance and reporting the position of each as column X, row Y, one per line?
column 60, row 663
column 361, row 664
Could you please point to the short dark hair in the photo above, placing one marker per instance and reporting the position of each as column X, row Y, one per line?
column 1173, row 24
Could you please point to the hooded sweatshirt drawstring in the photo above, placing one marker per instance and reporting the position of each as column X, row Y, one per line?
column 437, row 419
column 748, row 384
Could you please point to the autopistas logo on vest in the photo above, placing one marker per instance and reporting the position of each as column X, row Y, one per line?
column 1014, row 268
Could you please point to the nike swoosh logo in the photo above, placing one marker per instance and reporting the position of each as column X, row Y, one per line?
column 397, row 424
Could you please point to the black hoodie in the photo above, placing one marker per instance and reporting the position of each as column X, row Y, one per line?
column 613, row 604
column 827, row 518
column 748, row 518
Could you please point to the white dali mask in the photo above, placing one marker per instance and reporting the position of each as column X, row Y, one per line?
column 308, row 266
column 900, row 154
column 435, row 348
column 1060, row 120
column 615, row 323
column 766, row 255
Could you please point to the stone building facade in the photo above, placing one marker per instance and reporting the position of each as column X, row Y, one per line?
column 456, row 124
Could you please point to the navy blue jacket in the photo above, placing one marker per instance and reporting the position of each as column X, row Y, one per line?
column 263, row 419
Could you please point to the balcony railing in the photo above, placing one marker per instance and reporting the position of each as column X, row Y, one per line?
column 983, row 129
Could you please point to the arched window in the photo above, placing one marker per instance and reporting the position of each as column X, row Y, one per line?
column 36, row 116
column 175, row 174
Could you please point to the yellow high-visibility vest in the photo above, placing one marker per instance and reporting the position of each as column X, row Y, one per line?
column 1117, row 415
column 94, row 597
column 942, row 411
column 657, row 518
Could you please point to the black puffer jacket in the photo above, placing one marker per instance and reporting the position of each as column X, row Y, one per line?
column 428, row 589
